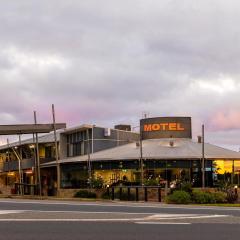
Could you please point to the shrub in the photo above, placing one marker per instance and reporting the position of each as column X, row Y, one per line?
column 97, row 183
column 186, row 186
column 106, row 195
column 85, row 194
column 201, row 197
column 179, row 197
column 220, row 197
column 151, row 182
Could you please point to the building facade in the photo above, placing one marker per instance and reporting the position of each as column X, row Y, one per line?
column 163, row 152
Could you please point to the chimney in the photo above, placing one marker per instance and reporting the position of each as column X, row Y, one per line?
column 199, row 139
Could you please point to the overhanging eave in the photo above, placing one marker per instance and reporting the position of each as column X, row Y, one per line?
column 29, row 128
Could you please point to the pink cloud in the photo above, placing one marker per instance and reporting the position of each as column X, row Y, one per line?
column 224, row 120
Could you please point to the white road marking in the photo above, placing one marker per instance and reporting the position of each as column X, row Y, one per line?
column 182, row 216
column 70, row 220
column 147, row 219
column 88, row 212
column 163, row 223
column 2, row 212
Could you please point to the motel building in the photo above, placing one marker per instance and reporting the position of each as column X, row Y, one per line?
column 164, row 152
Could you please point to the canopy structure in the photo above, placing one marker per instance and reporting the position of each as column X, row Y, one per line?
column 29, row 128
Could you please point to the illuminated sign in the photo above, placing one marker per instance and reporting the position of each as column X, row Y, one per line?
column 163, row 127
column 166, row 127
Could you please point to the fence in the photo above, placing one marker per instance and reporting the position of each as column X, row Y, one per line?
column 139, row 192
column 25, row 189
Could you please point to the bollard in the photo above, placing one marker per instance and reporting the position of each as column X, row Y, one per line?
column 145, row 194
column 128, row 194
column 120, row 193
column 137, row 199
column 159, row 195
column 112, row 193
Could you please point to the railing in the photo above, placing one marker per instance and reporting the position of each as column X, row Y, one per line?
column 113, row 194
column 26, row 163
column 25, row 189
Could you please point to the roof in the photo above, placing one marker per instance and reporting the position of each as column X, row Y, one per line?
column 89, row 126
column 159, row 149
column 47, row 138
column 29, row 128
column 77, row 128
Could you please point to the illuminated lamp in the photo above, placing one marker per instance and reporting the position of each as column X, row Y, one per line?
column 29, row 172
column 11, row 174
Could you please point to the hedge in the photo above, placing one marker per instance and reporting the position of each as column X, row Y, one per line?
column 179, row 197
column 85, row 194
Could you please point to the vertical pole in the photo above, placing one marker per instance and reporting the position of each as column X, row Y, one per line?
column 159, row 194
column 203, row 157
column 19, row 164
column 137, row 198
column 145, row 194
column 141, row 157
column 238, row 177
column 89, row 161
column 8, row 156
column 128, row 193
column 113, row 193
column 57, row 153
column 233, row 171
column 38, row 158
column 35, row 161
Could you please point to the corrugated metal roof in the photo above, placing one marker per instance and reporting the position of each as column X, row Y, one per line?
column 47, row 138
column 159, row 149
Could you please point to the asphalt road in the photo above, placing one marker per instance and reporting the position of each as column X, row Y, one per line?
column 30, row 219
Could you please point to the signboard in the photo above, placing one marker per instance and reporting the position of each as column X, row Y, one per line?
column 166, row 127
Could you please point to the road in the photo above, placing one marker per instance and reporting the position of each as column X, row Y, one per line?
column 32, row 219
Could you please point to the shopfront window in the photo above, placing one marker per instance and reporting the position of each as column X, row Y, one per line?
column 227, row 171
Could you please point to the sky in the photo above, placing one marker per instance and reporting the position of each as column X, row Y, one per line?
column 109, row 62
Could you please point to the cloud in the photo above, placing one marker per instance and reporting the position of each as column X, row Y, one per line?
column 108, row 62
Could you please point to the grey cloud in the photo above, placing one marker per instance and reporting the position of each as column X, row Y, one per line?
column 119, row 58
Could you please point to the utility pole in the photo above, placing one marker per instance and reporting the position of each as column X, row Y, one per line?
column 89, row 161
column 19, row 164
column 21, row 156
column 141, row 157
column 233, row 172
column 38, row 158
column 35, row 160
column 8, row 156
column 203, row 157
column 56, row 152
